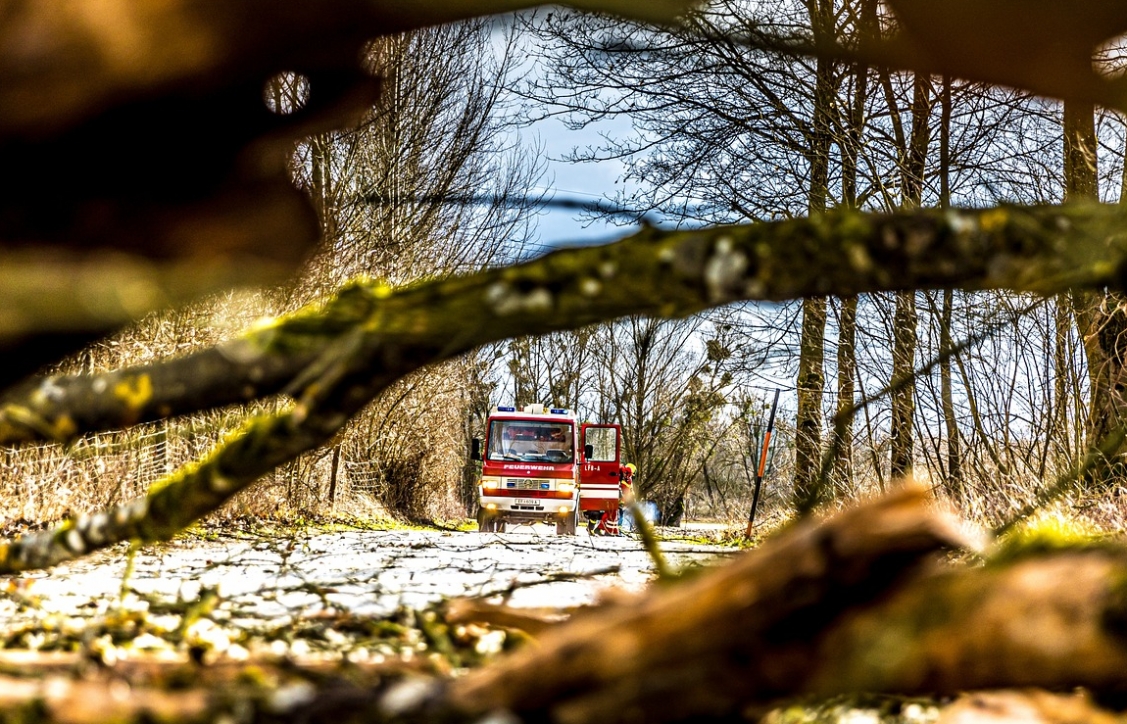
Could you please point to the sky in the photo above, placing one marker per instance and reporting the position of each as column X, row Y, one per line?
column 573, row 182
column 569, row 181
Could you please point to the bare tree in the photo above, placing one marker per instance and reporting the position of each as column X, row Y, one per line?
column 1101, row 317
column 915, row 150
column 430, row 183
column 651, row 370
column 339, row 363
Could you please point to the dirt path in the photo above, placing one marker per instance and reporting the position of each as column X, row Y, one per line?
column 256, row 589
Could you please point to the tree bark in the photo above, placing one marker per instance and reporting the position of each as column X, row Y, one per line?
column 1101, row 316
column 670, row 273
column 809, row 488
column 851, row 144
column 741, row 636
column 856, row 604
column 903, row 385
column 1064, row 428
column 846, row 389
column 905, row 319
column 954, row 482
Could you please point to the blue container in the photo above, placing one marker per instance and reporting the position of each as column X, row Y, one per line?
column 649, row 512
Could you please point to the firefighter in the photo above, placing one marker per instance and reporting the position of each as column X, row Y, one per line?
column 507, row 441
column 608, row 521
column 626, row 483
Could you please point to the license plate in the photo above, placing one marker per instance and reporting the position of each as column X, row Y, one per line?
column 524, row 501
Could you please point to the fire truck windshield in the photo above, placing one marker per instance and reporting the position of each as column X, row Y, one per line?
column 529, row 441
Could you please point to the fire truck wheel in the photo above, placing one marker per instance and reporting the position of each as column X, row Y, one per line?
column 499, row 526
column 485, row 522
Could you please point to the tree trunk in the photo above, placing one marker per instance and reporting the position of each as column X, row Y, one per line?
column 334, row 474
column 742, row 635
column 1102, row 321
column 1062, row 390
column 1100, row 316
column 842, row 464
column 846, row 371
column 809, row 491
column 904, row 388
column 906, row 318
column 954, row 482
column 809, row 488
column 826, row 610
column 322, row 190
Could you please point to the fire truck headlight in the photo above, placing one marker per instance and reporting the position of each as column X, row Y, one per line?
column 490, row 483
column 564, row 510
column 491, row 506
column 566, row 487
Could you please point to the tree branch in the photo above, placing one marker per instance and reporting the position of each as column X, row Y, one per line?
column 658, row 273
column 855, row 603
column 336, row 361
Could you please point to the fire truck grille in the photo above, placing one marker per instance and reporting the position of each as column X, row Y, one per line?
column 527, row 484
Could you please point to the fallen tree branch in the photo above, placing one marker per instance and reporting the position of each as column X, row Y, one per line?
column 1055, row 621
column 854, row 604
column 857, row 604
column 370, row 336
column 741, row 635
column 667, row 274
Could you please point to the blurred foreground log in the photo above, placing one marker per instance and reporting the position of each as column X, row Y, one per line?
column 861, row 603
column 743, row 636
column 152, row 170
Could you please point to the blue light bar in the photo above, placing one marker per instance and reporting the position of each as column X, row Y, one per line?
column 506, row 408
column 558, row 411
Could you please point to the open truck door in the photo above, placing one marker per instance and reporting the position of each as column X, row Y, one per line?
column 599, row 476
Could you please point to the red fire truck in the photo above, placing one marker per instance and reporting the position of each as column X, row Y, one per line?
column 542, row 465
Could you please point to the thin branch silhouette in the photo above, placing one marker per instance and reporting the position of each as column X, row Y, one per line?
column 603, row 207
column 844, row 418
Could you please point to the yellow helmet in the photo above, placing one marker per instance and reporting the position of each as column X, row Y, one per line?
column 632, row 468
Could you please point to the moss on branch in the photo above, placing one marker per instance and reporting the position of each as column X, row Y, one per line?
column 334, row 358
column 670, row 274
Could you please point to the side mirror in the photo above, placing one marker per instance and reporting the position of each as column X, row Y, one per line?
column 588, row 452
column 475, row 449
